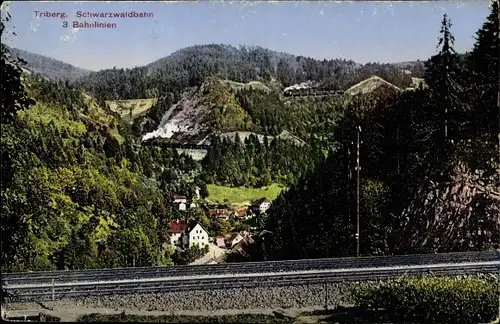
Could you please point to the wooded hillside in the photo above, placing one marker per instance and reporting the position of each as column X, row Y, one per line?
column 429, row 178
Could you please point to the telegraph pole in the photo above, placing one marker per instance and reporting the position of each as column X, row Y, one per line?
column 498, row 106
column 349, row 192
column 358, row 169
column 498, row 94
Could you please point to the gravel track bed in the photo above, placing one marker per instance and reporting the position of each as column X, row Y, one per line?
column 299, row 296
column 277, row 297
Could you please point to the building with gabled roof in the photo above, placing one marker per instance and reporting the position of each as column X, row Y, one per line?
column 260, row 205
column 183, row 234
column 177, row 228
column 234, row 239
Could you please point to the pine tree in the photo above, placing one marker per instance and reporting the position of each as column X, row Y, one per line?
column 443, row 80
column 447, row 117
column 484, row 74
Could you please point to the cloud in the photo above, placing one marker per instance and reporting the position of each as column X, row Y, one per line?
column 5, row 7
column 70, row 36
column 34, row 26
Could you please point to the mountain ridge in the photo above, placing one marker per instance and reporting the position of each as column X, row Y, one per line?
column 47, row 66
column 224, row 49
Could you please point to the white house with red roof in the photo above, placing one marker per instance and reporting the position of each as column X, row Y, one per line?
column 182, row 235
column 177, row 229
column 180, row 199
column 198, row 236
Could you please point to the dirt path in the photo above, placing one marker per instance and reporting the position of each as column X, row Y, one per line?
column 213, row 253
column 67, row 314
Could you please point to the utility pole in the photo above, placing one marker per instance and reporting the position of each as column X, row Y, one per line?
column 358, row 169
column 498, row 94
column 349, row 192
column 498, row 106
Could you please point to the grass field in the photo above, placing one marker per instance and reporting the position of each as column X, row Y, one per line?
column 136, row 106
column 242, row 196
column 253, row 84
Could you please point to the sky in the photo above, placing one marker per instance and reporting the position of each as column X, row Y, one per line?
column 385, row 31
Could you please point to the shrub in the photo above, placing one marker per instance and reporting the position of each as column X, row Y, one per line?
column 433, row 300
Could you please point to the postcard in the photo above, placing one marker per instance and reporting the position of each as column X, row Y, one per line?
column 250, row 161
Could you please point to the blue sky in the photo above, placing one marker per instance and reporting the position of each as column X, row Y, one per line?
column 362, row 31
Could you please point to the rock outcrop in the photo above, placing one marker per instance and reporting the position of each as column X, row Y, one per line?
column 462, row 214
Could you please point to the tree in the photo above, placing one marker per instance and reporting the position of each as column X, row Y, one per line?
column 442, row 76
column 13, row 96
column 483, row 67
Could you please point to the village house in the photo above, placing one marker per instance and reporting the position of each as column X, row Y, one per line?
column 234, row 239
column 180, row 199
column 182, row 235
column 220, row 242
column 177, row 229
column 198, row 236
column 219, row 213
column 260, row 205
column 241, row 246
column 241, row 214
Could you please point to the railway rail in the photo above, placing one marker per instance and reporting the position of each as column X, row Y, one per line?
column 55, row 290
column 248, row 267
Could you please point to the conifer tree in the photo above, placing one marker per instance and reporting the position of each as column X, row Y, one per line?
column 447, row 118
column 484, row 75
column 443, row 80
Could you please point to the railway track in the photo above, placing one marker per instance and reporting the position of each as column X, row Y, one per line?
column 69, row 290
column 248, row 268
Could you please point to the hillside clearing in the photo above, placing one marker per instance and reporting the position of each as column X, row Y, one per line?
column 252, row 84
column 369, row 85
column 131, row 108
column 242, row 196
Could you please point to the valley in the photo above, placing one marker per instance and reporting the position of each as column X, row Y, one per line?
column 280, row 133
column 240, row 141
column 197, row 150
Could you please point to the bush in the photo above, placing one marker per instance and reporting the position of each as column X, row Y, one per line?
column 433, row 300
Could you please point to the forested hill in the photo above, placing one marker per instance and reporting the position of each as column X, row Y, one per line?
column 429, row 167
column 76, row 191
column 190, row 66
column 49, row 67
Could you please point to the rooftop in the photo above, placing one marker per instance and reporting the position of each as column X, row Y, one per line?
column 177, row 226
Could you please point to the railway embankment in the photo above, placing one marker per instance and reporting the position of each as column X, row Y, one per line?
column 296, row 296
column 267, row 285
